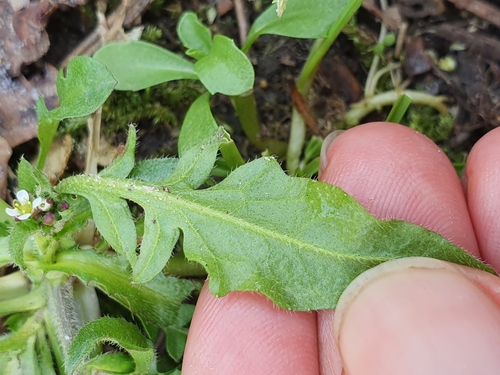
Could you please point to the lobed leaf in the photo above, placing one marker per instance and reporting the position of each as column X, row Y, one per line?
column 157, row 301
column 195, row 36
column 124, row 163
column 298, row 241
column 137, row 65
column 31, row 179
column 82, row 91
column 226, row 69
column 111, row 330
column 113, row 219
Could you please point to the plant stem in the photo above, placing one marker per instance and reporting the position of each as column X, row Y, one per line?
column 367, row 105
column 246, row 109
column 369, row 85
column 13, row 285
column 304, row 81
column 61, row 318
column 231, row 153
column 179, row 266
column 31, row 301
column 295, row 142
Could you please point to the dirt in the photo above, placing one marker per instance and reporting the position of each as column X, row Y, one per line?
column 464, row 32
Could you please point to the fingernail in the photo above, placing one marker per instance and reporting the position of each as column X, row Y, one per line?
column 326, row 145
column 419, row 316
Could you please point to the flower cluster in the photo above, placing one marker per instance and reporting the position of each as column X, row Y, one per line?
column 25, row 206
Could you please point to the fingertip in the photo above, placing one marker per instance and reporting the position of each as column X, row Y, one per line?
column 481, row 181
column 245, row 333
column 417, row 316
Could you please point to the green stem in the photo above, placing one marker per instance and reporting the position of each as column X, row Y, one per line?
column 367, row 105
column 317, row 54
column 231, row 153
column 179, row 266
column 31, row 301
column 246, row 109
column 296, row 142
column 61, row 318
column 13, row 285
column 304, row 81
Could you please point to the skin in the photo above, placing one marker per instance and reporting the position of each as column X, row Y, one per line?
column 410, row 316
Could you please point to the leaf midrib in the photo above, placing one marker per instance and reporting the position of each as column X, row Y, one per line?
column 134, row 190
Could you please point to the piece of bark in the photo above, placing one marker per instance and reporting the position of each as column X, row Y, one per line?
column 477, row 44
column 480, row 8
column 5, row 153
column 22, row 33
column 18, row 122
column 420, row 9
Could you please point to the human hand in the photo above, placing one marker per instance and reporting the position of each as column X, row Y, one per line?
column 409, row 316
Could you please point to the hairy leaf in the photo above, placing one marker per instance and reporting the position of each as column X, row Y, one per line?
column 195, row 36
column 137, row 65
column 32, row 180
column 124, row 163
column 225, row 69
column 157, row 301
column 82, row 91
column 111, row 330
column 21, row 232
column 298, row 241
column 154, row 170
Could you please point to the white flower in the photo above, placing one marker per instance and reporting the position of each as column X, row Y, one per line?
column 41, row 205
column 22, row 206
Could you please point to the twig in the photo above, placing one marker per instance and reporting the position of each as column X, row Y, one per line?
column 123, row 15
column 376, row 58
column 481, row 9
column 369, row 104
column 94, row 125
column 239, row 7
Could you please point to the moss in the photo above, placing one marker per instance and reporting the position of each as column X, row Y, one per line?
column 428, row 121
column 162, row 104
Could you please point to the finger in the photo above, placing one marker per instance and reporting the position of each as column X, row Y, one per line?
column 419, row 316
column 245, row 333
column 395, row 173
column 481, row 183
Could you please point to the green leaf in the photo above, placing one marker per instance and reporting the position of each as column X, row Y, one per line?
column 199, row 124
column 115, row 331
column 112, row 363
column 225, row 69
column 159, row 239
column 82, row 91
column 113, row 219
column 154, row 170
column 21, row 232
column 176, row 342
column 298, row 241
column 137, row 65
column 185, row 315
column 18, row 339
column 157, row 301
column 196, row 164
column 399, row 109
column 195, row 36
column 302, row 19
column 123, row 164
column 33, row 180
